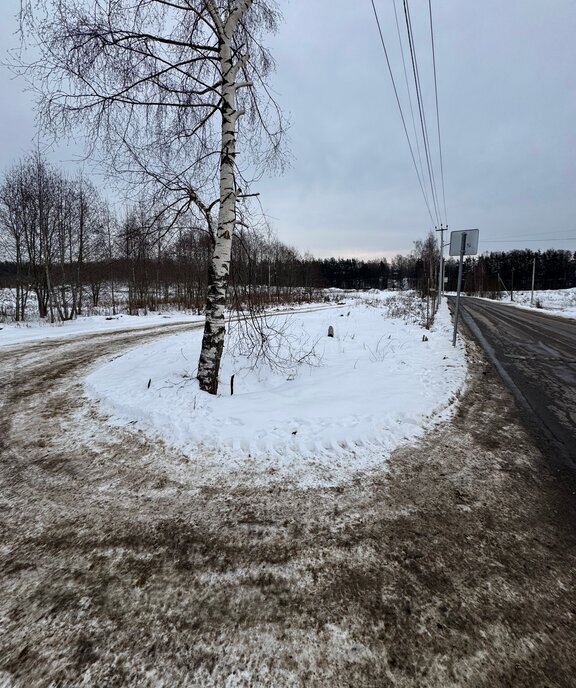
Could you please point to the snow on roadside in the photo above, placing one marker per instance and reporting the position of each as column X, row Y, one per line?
column 16, row 333
column 560, row 302
column 372, row 387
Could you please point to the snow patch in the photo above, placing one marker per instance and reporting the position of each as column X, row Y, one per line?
column 372, row 387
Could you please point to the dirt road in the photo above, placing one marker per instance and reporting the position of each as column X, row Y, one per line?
column 454, row 565
column 536, row 354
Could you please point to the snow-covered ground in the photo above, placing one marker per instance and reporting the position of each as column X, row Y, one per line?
column 15, row 333
column 358, row 395
column 36, row 330
column 558, row 302
column 554, row 301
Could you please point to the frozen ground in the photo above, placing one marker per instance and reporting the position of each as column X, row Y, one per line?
column 372, row 387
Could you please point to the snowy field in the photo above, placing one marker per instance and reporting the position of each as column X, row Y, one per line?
column 353, row 399
column 554, row 301
column 103, row 320
column 37, row 330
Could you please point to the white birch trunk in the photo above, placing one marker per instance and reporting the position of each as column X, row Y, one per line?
column 219, row 269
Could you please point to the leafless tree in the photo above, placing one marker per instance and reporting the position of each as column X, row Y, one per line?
column 13, row 207
column 427, row 255
column 46, row 220
column 29, row 201
column 160, row 87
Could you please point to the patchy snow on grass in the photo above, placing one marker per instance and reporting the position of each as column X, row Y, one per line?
column 353, row 398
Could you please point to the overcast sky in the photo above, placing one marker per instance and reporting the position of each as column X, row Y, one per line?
column 507, row 99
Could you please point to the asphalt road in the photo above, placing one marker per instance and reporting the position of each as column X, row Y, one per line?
column 535, row 354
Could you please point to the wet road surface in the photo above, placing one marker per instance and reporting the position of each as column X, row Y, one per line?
column 535, row 353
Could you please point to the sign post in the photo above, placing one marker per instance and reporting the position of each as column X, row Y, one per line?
column 462, row 243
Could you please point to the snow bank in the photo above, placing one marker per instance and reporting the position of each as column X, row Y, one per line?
column 560, row 302
column 554, row 301
column 372, row 387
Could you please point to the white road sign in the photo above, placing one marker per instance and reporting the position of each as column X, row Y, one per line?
column 471, row 243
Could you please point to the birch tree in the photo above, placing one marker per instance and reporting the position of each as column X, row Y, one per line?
column 159, row 88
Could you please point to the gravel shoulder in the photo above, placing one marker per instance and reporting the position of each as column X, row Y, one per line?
column 452, row 565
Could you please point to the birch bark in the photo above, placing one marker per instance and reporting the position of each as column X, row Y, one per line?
column 219, row 268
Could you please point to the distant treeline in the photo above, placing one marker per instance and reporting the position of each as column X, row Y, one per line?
column 512, row 270
column 176, row 271
column 64, row 253
column 493, row 272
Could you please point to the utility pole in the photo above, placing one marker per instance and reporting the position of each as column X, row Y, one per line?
column 533, row 280
column 502, row 283
column 512, row 286
column 441, row 268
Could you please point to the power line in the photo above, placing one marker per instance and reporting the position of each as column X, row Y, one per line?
column 421, row 110
column 401, row 112
column 437, row 110
column 408, row 88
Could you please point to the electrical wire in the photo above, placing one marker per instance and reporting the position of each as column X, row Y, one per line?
column 421, row 110
column 437, row 111
column 401, row 111
column 408, row 90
